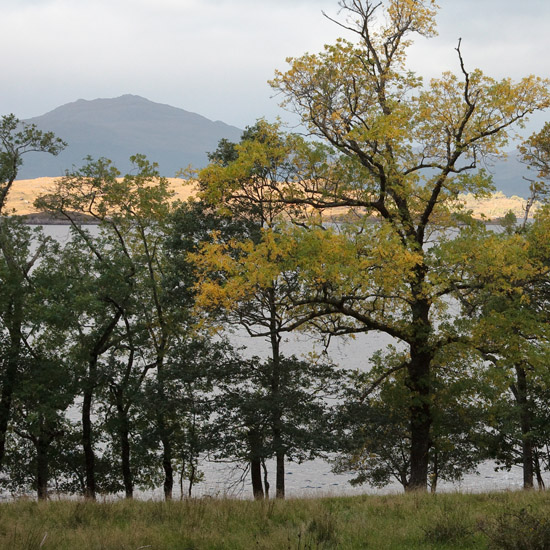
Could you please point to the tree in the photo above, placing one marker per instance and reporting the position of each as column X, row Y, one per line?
column 45, row 372
column 375, row 434
column 17, row 139
column 132, row 329
column 512, row 332
column 535, row 152
column 234, row 279
column 133, row 315
column 406, row 151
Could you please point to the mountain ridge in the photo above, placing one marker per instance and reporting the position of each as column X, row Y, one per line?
column 117, row 128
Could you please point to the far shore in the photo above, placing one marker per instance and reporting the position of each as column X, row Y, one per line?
column 24, row 192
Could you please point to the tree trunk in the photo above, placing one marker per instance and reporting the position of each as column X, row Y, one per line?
column 167, row 466
column 266, row 480
column 280, row 478
column 421, row 421
column 435, row 474
column 276, row 399
column 164, row 432
column 12, row 366
column 540, row 481
column 87, row 444
column 254, row 442
column 527, row 455
column 420, row 387
column 124, row 436
column 42, row 468
column 192, row 476
column 256, row 478
column 8, row 385
column 89, row 386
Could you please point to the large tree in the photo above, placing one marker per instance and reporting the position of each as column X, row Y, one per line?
column 404, row 151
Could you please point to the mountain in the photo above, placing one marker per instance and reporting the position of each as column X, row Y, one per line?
column 508, row 176
column 124, row 126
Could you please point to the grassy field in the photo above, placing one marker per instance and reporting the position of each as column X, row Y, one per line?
column 509, row 521
column 24, row 192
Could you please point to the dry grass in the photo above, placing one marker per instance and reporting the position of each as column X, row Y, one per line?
column 499, row 521
column 496, row 206
column 24, row 192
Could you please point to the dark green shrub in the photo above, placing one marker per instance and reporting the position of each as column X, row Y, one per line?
column 521, row 530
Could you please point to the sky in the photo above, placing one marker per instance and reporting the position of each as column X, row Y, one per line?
column 214, row 57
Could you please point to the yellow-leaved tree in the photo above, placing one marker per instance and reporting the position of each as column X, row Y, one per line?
column 411, row 148
column 394, row 155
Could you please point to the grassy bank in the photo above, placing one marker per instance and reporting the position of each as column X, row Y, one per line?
column 518, row 521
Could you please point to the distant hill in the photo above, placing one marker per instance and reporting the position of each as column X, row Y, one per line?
column 508, row 176
column 124, row 126
column 120, row 127
column 24, row 193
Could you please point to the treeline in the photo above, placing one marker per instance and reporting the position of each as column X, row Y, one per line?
column 359, row 231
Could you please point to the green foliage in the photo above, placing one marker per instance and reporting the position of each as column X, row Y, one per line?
column 359, row 233
column 375, row 436
column 17, row 139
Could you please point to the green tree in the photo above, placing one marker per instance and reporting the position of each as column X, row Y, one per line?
column 375, row 432
column 46, row 374
column 132, row 330
column 17, row 139
column 132, row 315
column 512, row 332
column 17, row 260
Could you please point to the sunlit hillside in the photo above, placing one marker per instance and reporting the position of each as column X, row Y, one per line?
column 24, row 192
column 497, row 206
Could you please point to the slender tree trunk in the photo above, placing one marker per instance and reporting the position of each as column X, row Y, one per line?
column 280, row 478
column 254, row 442
column 87, row 443
column 164, row 433
column 192, row 475
column 12, row 366
column 276, row 397
column 167, row 466
column 8, row 385
column 266, row 480
column 526, row 426
column 124, row 437
column 42, row 468
column 435, row 474
column 89, row 386
column 540, row 481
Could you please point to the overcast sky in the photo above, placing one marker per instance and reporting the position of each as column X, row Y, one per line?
column 214, row 57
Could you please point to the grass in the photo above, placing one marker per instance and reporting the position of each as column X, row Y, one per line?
column 513, row 520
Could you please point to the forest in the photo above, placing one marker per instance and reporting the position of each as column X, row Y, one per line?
column 117, row 370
